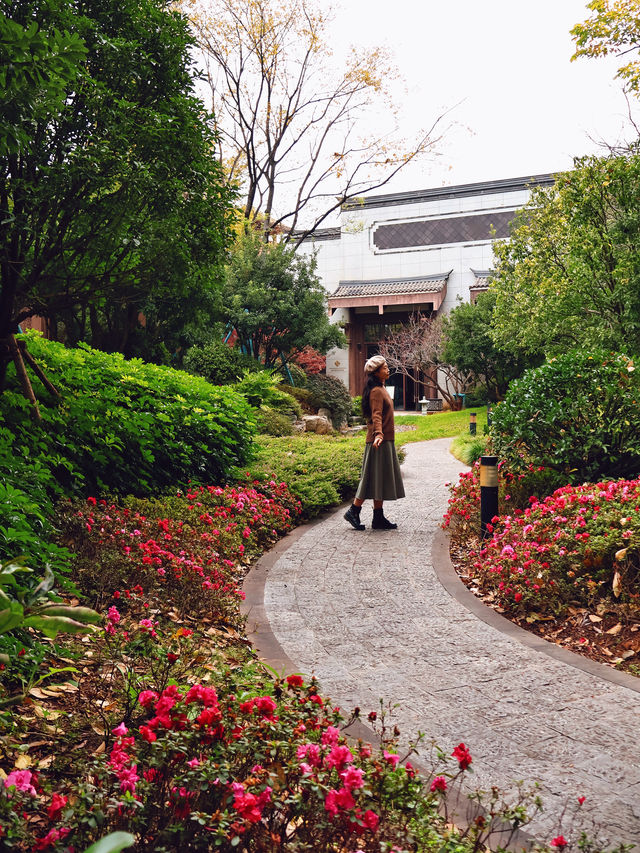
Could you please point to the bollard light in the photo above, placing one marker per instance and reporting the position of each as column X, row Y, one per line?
column 488, row 414
column 472, row 423
column 488, row 492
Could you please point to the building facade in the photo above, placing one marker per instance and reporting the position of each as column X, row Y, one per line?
column 397, row 254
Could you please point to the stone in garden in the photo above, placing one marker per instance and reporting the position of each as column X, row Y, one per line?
column 318, row 424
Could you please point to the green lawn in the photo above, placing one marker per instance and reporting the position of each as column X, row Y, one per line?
column 439, row 424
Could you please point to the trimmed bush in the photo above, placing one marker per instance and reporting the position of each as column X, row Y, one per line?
column 271, row 422
column 321, row 470
column 330, row 393
column 124, row 426
column 218, row 363
column 575, row 416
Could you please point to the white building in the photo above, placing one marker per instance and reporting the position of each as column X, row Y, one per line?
column 404, row 252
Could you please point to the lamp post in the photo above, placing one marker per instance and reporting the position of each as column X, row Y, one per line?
column 488, row 492
column 472, row 423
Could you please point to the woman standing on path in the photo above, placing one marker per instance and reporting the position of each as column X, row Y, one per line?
column 380, row 478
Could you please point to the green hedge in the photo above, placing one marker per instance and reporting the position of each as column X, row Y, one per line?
column 120, row 426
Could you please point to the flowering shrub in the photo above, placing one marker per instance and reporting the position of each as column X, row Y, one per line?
column 224, row 767
column 191, row 547
column 579, row 544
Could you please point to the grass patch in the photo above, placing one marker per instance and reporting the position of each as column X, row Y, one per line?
column 439, row 424
column 321, row 470
column 468, row 448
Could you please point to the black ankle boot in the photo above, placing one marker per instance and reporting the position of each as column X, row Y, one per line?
column 380, row 522
column 352, row 515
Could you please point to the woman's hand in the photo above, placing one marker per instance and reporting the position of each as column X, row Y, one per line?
column 377, row 441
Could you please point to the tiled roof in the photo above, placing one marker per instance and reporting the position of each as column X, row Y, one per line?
column 391, row 286
column 482, row 279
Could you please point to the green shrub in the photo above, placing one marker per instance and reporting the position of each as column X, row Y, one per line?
column 478, row 396
column 302, row 395
column 271, row 422
column 218, row 363
column 356, row 406
column 330, row 393
column 322, row 471
column 294, row 373
column 123, row 426
column 575, row 416
column 260, row 388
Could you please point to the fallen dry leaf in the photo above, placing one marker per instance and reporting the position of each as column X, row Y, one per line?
column 615, row 630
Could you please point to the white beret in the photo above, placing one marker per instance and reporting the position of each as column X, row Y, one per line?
column 374, row 363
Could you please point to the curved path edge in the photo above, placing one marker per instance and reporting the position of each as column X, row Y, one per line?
column 461, row 810
column 448, row 577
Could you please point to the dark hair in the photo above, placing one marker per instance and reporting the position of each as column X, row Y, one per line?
column 372, row 382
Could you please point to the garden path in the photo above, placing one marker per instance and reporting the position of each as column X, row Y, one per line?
column 368, row 614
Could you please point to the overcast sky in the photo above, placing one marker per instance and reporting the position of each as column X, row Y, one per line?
column 528, row 109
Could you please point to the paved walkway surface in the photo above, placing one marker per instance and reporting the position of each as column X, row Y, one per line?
column 367, row 613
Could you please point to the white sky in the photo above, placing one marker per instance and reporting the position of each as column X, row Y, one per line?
column 526, row 109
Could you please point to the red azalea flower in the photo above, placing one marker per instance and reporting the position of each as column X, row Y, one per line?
column 560, row 842
column 462, row 756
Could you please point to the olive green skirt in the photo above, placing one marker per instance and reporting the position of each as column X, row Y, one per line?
column 380, row 478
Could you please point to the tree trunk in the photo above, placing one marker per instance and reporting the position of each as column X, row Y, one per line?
column 24, row 380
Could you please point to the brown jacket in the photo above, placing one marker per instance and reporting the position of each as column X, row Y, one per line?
column 381, row 421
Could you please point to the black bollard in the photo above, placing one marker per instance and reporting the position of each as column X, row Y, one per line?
column 488, row 414
column 472, row 423
column 488, row 492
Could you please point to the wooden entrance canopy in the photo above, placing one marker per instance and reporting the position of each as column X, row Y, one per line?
column 395, row 299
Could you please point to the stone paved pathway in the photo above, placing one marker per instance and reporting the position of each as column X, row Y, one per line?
column 366, row 613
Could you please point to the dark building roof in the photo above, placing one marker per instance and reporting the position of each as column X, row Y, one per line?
column 482, row 279
column 481, row 188
column 391, row 286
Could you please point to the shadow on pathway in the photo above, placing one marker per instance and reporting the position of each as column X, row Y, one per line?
column 366, row 613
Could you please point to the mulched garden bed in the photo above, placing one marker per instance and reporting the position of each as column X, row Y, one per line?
column 609, row 633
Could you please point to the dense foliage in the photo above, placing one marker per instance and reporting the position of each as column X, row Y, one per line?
column 322, row 471
column 218, row 363
column 120, row 426
column 470, row 348
column 576, row 416
column 568, row 276
column 112, row 202
column 275, row 302
column 330, row 393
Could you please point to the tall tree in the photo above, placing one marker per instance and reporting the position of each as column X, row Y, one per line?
column 570, row 274
column 292, row 122
column 469, row 347
column 613, row 29
column 112, row 195
column 274, row 301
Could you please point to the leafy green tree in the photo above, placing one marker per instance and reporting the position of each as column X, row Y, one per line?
column 570, row 274
column 274, row 301
column 613, row 29
column 468, row 346
column 110, row 199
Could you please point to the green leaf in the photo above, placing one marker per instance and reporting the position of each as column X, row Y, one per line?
column 112, row 843
column 79, row 614
column 51, row 626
